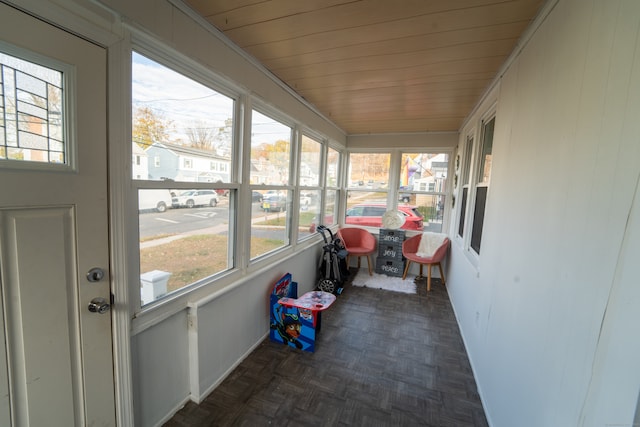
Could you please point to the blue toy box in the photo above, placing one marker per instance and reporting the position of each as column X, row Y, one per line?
column 291, row 326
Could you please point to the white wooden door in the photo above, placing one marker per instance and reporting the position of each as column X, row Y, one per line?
column 56, row 361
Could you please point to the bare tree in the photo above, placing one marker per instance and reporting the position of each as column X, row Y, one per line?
column 201, row 135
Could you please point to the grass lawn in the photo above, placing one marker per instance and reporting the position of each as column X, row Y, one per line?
column 196, row 257
column 306, row 218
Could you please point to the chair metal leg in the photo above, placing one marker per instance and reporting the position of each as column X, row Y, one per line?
column 369, row 263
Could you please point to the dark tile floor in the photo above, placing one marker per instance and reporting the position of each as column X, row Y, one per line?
column 382, row 359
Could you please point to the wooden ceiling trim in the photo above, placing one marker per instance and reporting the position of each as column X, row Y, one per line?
column 208, row 8
column 393, row 87
column 421, row 58
column 262, row 11
column 402, row 125
column 422, row 79
column 357, row 29
column 434, row 107
column 485, row 64
column 280, row 54
column 333, row 15
column 377, row 66
column 429, row 102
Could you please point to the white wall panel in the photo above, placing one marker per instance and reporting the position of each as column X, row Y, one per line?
column 195, row 349
column 565, row 166
column 160, row 370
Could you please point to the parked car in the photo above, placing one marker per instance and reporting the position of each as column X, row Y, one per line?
column 193, row 198
column 404, row 197
column 274, row 201
column 305, row 202
column 154, row 200
column 221, row 191
column 370, row 215
column 256, row 196
column 307, row 199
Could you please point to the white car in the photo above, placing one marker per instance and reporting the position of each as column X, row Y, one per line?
column 193, row 198
column 154, row 200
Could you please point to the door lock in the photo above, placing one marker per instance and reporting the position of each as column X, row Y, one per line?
column 95, row 274
column 99, row 305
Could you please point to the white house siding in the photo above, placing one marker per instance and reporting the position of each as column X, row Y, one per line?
column 549, row 311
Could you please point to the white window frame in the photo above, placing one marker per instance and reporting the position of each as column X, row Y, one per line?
column 465, row 174
column 471, row 158
column 266, row 110
column 393, row 178
column 190, row 69
column 319, row 187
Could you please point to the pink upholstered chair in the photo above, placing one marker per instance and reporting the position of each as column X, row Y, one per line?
column 409, row 249
column 358, row 242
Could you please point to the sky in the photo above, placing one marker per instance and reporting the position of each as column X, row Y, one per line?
column 175, row 97
column 189, row 104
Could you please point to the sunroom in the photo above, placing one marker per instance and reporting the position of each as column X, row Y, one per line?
column 517, row 138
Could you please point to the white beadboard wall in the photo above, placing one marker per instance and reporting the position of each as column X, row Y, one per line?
column 549, row 312
column 185, row 356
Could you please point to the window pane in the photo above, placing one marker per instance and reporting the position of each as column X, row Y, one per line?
column 355, row 197
column 478, row 218
column 333, row 164
column 330, row 208
column 369, row 170
column 466, row 173
column 31, row 112
column 181, row 129
column 270, row 160
column 482, row 190
column 463, row 211
column 270, row 222
column 309, row 174
column 430, row 208
column 184, row 238
column 466, row 168
column 424, row 172
column 309, row 211
column 365, row 209
column 330, row 212
column 485, row 155
column 423, row 179
column 270, row 151
column 370, row 215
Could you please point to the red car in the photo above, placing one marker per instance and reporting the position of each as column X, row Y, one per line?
column 370, row 215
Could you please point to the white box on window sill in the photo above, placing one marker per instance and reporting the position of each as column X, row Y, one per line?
column 154, row 285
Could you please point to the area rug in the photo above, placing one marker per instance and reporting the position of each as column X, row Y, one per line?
column 381, row 281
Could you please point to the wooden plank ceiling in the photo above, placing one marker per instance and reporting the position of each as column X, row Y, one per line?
column 379, row 66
